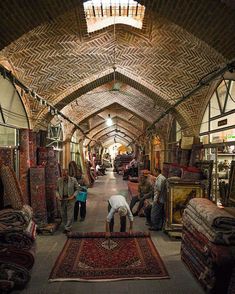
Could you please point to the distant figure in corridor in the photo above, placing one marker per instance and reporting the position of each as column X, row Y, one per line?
column 67, row 189
column 117, row 203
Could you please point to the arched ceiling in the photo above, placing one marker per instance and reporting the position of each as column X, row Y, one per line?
column 47, row 45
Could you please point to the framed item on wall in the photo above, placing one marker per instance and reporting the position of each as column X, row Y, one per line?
column 178, row 197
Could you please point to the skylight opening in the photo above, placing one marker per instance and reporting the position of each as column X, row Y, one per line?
column 103, row 13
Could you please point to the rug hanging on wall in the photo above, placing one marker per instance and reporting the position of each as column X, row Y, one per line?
column 91, row 257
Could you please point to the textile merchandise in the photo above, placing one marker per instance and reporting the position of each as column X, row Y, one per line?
column 165, row 169
column 207, row 232
column 12, row 191
column 196, row 154
column 215, row 236
column 214, row 216
column 16, row 239
column 185, row 157
column 51, row 203
column 18, row 276
column 174, row 171
column 215, row 223
column 24, row 163
column 52, row 173
column 38, row 194
column 11, row 219
column 22, row 239
column 91, row 257
column 7, row 156
column 211, row 264
column 42, row 155
column 74, row 170
column 32, row 148
column 24, row 258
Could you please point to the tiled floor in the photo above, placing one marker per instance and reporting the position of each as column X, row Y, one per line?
column 48, row 248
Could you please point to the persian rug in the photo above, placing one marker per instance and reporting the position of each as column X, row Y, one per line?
column 7, row 156
column 32, row 148
column 213, row 215
column 42, row 155
column 24, row 163
column 12, row 191
column 12, row 219
column 52, row 173
column 92, row 257
column 38, row 194
column 24, row 258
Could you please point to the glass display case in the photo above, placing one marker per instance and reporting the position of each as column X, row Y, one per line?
column 222, row 154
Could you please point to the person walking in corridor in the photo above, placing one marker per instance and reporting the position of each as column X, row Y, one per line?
column 118, row 204
column 67, row 189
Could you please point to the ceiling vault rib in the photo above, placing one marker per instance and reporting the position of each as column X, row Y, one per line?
column 113, row 130
column 204, row 81
column 8, row 74
column 120, row 119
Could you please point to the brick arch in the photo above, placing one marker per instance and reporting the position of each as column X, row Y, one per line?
column 114, row 134
column 134, row 128
column 175, row 59
column 100, row 80
column 123, row 140
column 110, row 129
column 100, row 127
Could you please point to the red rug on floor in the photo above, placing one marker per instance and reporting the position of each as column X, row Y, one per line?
column 91, row 257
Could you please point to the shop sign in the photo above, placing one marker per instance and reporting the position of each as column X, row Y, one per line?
column 222, row 122
column 231, row 136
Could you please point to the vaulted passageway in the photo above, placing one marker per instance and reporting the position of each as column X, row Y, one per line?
column 48, row 248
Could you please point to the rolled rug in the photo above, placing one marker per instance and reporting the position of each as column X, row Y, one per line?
column 16, row 239
column 11, row 219
column 14, row 273
column 21, row 257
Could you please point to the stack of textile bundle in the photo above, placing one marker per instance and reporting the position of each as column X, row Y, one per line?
column 208, row 244
column 17, row 248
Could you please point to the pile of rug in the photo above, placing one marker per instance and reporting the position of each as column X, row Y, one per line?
column 92, row 257
column 17, row 247
column 208, row 244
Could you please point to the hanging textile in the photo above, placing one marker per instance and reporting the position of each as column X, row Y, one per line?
column 24, row 163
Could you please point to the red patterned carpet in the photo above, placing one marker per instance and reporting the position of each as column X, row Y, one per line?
column 90, row 257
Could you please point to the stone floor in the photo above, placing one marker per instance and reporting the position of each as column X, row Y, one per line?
column 48, row 248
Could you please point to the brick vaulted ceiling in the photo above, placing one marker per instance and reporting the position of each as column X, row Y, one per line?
column 47, row 46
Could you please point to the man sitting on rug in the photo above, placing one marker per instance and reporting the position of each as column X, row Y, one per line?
column 67, row 189
column 117, row 203
column 145, row 190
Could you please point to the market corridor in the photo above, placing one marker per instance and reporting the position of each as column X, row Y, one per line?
column 48, row 248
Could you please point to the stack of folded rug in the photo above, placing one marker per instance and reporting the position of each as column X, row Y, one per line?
column 208, row 244
column 17, row 248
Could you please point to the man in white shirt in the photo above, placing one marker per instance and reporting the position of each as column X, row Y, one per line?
column 117, row 203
